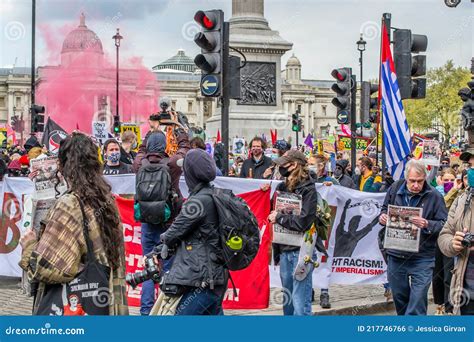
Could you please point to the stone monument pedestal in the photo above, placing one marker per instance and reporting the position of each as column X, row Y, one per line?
column 260, row 108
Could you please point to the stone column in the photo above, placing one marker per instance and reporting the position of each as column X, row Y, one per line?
column 285, row 106
column 306, row 115
column 11, row 104
column 254, row 8
column 200, row 111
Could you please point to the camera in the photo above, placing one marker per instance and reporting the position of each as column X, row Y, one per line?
column 150, row 271
column 467, row 240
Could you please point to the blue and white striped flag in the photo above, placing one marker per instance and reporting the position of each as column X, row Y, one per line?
column 395, row 126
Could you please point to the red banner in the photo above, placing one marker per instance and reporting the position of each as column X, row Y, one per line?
column 132, row 232
column 252, row 284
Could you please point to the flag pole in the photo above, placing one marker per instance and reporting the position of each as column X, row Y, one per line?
column 386, row 23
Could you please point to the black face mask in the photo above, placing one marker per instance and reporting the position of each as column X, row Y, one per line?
column 338, row 172
column 284, row 171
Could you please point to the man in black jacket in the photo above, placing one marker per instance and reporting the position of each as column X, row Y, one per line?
column 155, row 154
column 196, row 268
column 410, row 273
column 341, row 176
column 258, row 163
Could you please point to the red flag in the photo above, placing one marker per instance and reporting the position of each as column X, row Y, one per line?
column 218, row 136
column 273, row 134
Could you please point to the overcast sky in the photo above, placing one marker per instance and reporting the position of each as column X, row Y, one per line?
column 323, row 32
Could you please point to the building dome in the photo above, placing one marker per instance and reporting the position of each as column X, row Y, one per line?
column 293, row 61
column 82, row 41
column 179, row 62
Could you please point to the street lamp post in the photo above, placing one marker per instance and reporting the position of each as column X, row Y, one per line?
column 361, row 47
column 117, row 39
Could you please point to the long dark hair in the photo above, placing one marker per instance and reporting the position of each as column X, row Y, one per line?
column 80, row 166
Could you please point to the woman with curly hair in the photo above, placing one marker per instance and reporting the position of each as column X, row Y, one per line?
column 56, row 254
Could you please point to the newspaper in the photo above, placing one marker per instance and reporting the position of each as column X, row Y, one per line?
column 400, row 233
column 289, row 204
column 46, row 180
column 431, row 152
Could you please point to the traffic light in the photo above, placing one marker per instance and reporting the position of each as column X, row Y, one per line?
column 342, row 88
column 368, row 104
column 116, row 124
column 211, row 41
column 409, row 66
column 295, row 122
column 37, row 118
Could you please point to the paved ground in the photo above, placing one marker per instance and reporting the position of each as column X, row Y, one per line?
column 345, row 300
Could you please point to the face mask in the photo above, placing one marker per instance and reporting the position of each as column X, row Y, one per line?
column 284, row 171
column 337, row 172
column 313, row 168
column 448, row 186
column 134, row 145
column 114, row 157
column 357, row 171
column 470, row 177
column 274, row 156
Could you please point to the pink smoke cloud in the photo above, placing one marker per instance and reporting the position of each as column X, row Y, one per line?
column 71, row 93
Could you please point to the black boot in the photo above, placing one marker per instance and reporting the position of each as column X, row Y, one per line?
column 324, row 300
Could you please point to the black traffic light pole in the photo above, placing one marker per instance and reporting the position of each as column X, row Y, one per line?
column 353, row 122
column 225, row 98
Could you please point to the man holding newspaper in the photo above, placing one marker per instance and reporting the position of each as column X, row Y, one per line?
column 413, row 214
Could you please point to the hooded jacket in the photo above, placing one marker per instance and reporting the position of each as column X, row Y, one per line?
column 194, row 234
column 345, row 180
column 157, row 157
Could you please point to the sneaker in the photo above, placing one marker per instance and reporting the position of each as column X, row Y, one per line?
column 388, row 294
column 324, row 300
column 439, row 310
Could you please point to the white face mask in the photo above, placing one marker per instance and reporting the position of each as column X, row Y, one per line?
column 357, row 171
column 313, row 168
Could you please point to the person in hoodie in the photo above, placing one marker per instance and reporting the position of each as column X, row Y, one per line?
column 195, row 238
column 341, row 176
column 293, row 166
column 155, row 153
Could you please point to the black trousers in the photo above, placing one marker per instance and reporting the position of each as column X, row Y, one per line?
column 442, row 275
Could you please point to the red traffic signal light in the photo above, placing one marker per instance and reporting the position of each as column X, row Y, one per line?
column 340, row 74
column 207, row 20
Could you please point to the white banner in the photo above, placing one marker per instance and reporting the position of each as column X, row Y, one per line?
column 354, row 255
column 15, row 189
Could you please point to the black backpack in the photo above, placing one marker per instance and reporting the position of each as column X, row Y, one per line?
column 153, row 193
column 238, row 230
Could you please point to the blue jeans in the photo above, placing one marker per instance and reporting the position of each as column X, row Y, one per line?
column 200, row 301
column 150, row 238
column 297, row 295
column 410, row 280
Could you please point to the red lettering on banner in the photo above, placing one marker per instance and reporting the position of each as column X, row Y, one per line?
column 11, row 215
column 252, row 284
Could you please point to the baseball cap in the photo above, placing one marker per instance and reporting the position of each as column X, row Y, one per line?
column 290, row 157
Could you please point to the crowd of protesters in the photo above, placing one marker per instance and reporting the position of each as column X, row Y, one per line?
column 443, row 192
